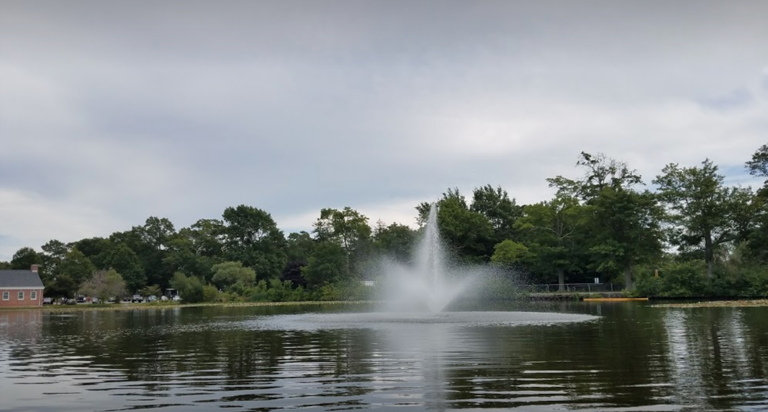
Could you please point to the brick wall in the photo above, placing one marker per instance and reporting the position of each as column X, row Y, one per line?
column 13, row 298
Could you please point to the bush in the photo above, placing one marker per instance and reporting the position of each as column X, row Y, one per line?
column 756, row 281
column 211, row 294
column 190, row 288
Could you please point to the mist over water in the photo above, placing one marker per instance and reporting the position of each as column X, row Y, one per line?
column 432, row 281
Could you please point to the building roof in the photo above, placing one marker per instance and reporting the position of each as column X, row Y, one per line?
column 19, row 279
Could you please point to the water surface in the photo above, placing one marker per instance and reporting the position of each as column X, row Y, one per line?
column 630, row 358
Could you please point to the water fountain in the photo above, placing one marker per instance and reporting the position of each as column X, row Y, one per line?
column 428, row 284
column 417, row 294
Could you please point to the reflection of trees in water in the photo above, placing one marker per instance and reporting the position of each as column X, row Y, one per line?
column 714, row 353
column 634, row 355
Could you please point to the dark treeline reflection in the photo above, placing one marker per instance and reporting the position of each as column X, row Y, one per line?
column 633, row 355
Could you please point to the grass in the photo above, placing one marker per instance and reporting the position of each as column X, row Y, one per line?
column 166, row 305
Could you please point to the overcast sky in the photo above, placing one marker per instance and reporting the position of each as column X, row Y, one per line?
column 114, row 111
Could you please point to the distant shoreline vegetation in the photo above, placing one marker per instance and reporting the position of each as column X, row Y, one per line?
column 692, row 236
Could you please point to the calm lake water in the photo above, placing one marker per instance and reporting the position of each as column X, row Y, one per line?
column 630, row 358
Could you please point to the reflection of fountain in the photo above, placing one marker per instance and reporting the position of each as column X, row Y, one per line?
column 430, row 282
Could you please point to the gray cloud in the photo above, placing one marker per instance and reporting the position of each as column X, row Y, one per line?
column 181, row 109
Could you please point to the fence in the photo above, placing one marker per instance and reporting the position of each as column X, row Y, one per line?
column 576, row 287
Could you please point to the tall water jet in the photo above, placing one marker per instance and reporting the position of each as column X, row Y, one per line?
column 430, row 252
column 427, row 284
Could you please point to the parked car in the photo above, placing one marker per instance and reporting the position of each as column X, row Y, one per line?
column 151, row 298
column 80, row 299
column 177, row 298
column 47, row 301
column 164, row 298
column 95, row 300
column 137, row 299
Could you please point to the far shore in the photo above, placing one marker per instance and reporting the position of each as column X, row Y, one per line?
column 716, row 304
column 145, row 306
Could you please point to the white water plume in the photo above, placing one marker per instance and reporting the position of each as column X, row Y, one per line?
column 427, row 284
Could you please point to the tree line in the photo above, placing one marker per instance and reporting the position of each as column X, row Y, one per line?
column 692, row 235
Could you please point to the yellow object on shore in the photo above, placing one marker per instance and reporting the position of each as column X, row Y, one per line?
column 613, row 299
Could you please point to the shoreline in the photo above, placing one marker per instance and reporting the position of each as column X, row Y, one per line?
column 147, row 306
column 746, row 303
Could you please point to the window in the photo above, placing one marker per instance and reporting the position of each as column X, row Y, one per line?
column 6, row 295
column 21, row 295
column 33, row 295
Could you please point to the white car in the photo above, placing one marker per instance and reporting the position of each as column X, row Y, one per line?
column 177, row 298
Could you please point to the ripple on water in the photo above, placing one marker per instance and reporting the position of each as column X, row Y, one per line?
column 375, row 320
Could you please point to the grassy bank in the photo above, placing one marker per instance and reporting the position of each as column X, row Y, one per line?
column 171, row 305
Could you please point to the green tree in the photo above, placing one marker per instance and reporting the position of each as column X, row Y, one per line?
column 499, row 209
column 299, row 246
column 62, row 286
column 125, row 261
column 510, row 254
column 701, row 208
column 53, row 253
column 757, row 235
column 152, row 248
column 185, row 254
column 24, row 258
column 228, row 274
column 625, row 222
column 627, row 231
column 469, row 233
column 252, row 237
column 349, row 228
column 104, row 284
column 554, row 231
column 395, row 240
column 76, row 267
column 95, row 249
column 327, row 264
column 758, row 166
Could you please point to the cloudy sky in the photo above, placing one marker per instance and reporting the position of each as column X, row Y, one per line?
column 111, row 112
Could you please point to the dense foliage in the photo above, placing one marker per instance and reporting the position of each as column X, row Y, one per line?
column 692, row 236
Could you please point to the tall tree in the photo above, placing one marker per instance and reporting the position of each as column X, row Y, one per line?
column 757, row 235
column 395, row 240
column 152, row 248
column 627, row 230
column 76, row 267
column 300, row 246
column 327, row 264
column 183, row 255
column 95, row 249
column 758, row 166
column 349, row 228
column 467, row 232
column 554, row 231
column 125, row 261
column 53, row 254
column 626, row 222
column 702, row 209
column 252, row 237
column 499, row 209
column 24, row 258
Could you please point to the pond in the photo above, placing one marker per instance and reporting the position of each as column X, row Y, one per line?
column 628, row 357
